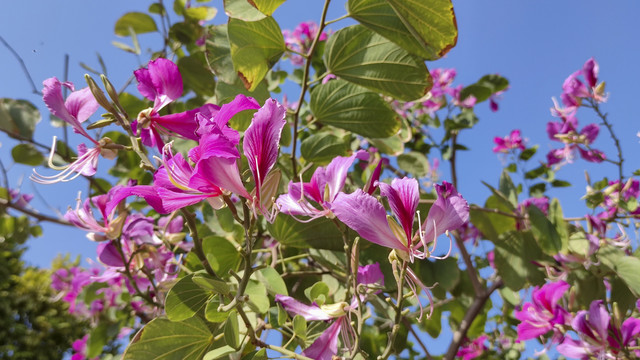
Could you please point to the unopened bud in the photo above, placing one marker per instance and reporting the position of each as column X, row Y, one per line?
column 113, row 94
column 99, row 95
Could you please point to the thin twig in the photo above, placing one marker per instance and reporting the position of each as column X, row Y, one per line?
column 34, row 89
column 34, row 214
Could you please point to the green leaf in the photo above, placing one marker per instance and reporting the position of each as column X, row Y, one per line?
column 626, row 267
column 272, row 280
column 323, row 147
column 18, row 118
column 543, row 230
column 255, row 47
column 393, row 145
column 200, row 13
column 140, row 23
column 219, row 353
column 185, row 299
column 258, row 300
column 267, row 7
column 360, row 56
column 27, row 154
column 208, row 283
column 167, row 340
column 514, row 253
column 351, row 107
column 300, row 327
column 221, row 254
column 319, row 234
column 243, row 10
column 528, row 153
column 508, row 189
column 478, row 91
column 414, row 163
column 211, row 312
column 425, row 28
column 319, row 290
column 218, row 54
column 97, row 340
column 232, row 330
column 196, row 76
column 557, row 219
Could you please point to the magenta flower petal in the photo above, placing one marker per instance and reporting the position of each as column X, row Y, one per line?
column 262, row 140
column 326, row 346
column 222, row 172
column 149, row 193
column 448, row 212
column 79, row 106
column 574, row 349
column 364, row 214
column 370, row 275
column 590, row 132
column 108, row 254
column 161, row 82
column 336, row 173
column 403, row 198
column 172, row 201
column 308, row 312
column 590, row 71
column 184, row 123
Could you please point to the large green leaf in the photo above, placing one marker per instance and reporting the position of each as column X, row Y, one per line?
column 139, row 22
column 626, row 267
column 414, row 163
column 351, row 107
column 218, row 53
column 18, row 118
column 185, row 299
column 196, row 76
column 424, row 28
column 167, row 340
column 545, row 233
column 243, row 10
column 221, row 254
column 255, row 47
column 363, row 57
column 323, row 147
column 27, row 154
column 319, row 234
column 267, row 7
column 514, row 253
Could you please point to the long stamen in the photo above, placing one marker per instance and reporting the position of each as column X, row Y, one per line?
column 51, row 153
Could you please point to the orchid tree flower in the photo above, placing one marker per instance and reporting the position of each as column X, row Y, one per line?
column 599, row 337
column 323, row 188
column 177, row 183
column 218, row 155
column 110, row 227
column 161, row 83
column 364, row 214
column 544, row 313
column 76, row 109
column 326, row 346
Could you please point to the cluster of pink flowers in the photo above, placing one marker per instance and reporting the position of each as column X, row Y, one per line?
column 509, row 143
column 598, row 335
column 300, row 40
column 565, row 130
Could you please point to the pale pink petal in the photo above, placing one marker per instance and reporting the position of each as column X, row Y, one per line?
column 81, row 104
column 326, row 346
column 308, row 312
column 364, row 214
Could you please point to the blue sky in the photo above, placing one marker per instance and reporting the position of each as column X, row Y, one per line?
column 535, row 44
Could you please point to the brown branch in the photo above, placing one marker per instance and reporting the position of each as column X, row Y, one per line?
column 34, row 214
column 478, row 304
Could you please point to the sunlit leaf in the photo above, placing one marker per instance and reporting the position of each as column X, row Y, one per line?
column 351, row 107
column 361, row 56
column 140, row 23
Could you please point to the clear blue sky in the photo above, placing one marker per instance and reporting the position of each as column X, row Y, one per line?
column 535, row 44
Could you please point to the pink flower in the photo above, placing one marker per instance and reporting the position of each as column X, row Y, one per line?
column 544, row 312
column 598, row 336
column 75, row 110
column 326, row 346
column 473, row 349
column 300, row 40
column 510, row 142
column 161, row 83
